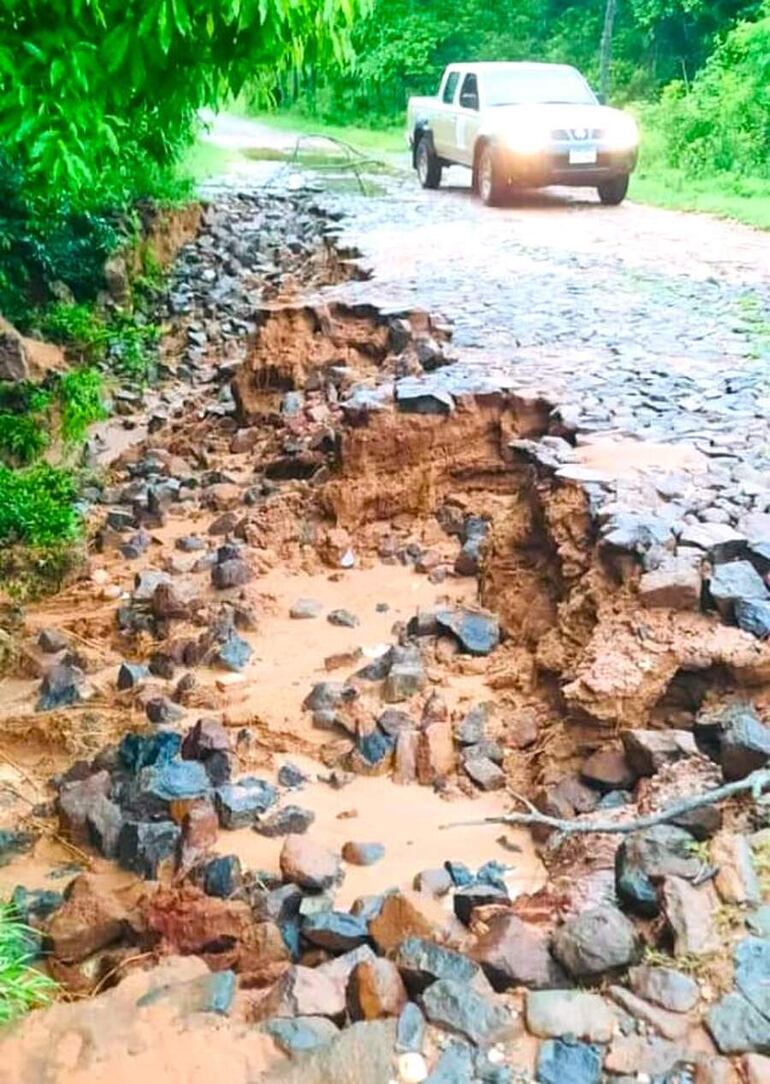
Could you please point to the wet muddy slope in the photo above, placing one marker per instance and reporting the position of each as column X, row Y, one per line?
column 351, row 581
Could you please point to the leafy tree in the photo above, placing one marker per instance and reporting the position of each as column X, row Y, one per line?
column 90, row 87
column 98, row 98
column 722, row 121
column 403, row 45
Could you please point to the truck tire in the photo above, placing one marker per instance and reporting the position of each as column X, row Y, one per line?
column 492, row 183
column 427, row 164
column 612, row 193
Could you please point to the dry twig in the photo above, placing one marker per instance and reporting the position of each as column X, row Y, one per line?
column 755, row 783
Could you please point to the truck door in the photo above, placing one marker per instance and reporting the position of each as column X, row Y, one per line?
column 443, row 123
column 467, row 119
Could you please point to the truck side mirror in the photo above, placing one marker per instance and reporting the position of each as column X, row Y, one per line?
column 469, row 100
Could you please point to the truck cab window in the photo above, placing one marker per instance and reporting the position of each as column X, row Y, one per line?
column 450, row 87
column 469, row 92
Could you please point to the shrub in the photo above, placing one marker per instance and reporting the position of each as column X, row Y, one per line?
column 722, row 122
column 47, row 242
column 78, row 327
column 118, row 343
column 82, row 404
column 28, row 573
column 23, row 438
column 37, row 506
column 21, row 986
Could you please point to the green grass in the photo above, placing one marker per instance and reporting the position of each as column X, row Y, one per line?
column 203, row 160
column 740, row 198
column 21, row 987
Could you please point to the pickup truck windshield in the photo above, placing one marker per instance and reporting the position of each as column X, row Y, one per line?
column 536, row 87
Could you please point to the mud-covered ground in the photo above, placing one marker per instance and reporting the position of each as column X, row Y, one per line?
column 438, row 509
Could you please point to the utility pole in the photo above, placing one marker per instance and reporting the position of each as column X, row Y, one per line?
column 606, row 50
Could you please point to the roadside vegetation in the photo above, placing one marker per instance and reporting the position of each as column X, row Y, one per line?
column 92, row 132
column 697, row 73
column 21, row 986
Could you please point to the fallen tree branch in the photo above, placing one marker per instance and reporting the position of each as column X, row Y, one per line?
column 756, row 783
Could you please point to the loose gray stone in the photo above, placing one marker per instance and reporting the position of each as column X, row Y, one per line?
column 60, row 688
column 745, row 745
column 552, row 1014
column 752, row 972
column 302, row 1034
column 647, row 751
column 459, row 1008
column 737, row 1027
column 306, row 608
column 477, row 633
column 336, row 931
column 423, row 962
column 362, row 1052
column 289, row 820
column 484, row 773
column 753, row 615
column 665, row 986
column 595, row 942
column 410, row 1031
column 733, row 581
column 472, row 729
column 343, row 619
column 559, row 1061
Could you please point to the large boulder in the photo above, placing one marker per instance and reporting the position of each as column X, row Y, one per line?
column 26, row 359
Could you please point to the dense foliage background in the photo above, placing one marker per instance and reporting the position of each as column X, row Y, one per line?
column 701, row 66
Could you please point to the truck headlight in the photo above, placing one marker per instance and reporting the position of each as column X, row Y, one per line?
column 526, row 139
column 622, row 134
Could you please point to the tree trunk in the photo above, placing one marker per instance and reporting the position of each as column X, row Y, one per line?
column 606, row 50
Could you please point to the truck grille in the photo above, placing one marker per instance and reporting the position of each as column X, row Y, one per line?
column 576, row 135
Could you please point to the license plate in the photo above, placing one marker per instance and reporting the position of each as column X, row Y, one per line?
column 582, row 158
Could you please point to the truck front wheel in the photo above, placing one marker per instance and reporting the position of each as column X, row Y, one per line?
column 612, row 193
column 490, row 179
column 428, row 165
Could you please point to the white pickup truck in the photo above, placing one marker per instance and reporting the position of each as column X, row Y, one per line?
column 522, row 125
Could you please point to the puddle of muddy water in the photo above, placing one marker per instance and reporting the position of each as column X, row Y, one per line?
column 289, row 654
column 411, row 824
